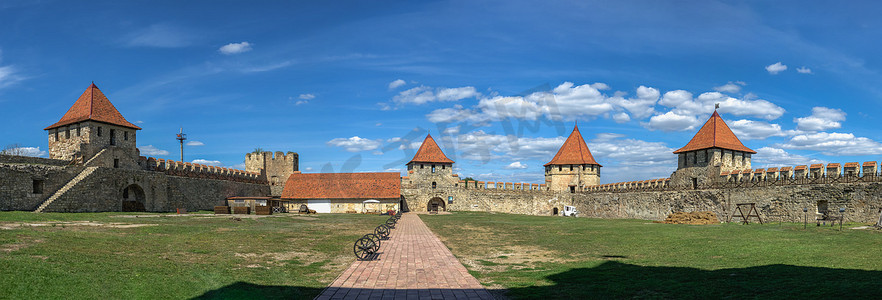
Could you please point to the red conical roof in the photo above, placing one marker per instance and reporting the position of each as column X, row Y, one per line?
column 573, row 152
column 429, row 152
column 715, row 134
column 93, row 105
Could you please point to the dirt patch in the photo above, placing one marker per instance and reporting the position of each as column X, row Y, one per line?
column 692, row 218
column 26, row 242
column 60, row 224
column 512, row 258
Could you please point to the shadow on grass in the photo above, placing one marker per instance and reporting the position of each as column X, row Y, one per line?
column 614, row 279
column 244, row 290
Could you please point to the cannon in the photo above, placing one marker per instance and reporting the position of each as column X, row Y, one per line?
column 391, row 222
column 383, row 231
column 367, row 246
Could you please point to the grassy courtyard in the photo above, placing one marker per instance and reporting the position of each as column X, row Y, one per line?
column 161, row 256
column 555, row 257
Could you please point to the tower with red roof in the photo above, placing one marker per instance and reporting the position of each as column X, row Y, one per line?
column 712, row 150
column 91, row 125
column 573, row 168
column 431, row 171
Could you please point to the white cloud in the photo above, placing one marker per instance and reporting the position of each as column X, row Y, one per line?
column 776, row 68
column 9, row 76
column 355, row 144
column 834, row 144
column 642, row 106
column 139, row 122
column 195, row 143
column 425, row 94
column 306, row 96
column 804, row 70
column 676, row 98
column 215, row 163
column 731, row 87
column 25, row 151
column 755, row 130
column 623, row 158
column 149, row 150
column 515, row 165
column 239, row 166
column 621, row 117
column 235, row 48
column 301, row 102
column 160, row 36
column 308, row 169
column 600, row 86
column 671, row 121
column 396, row 84
column 822, row 118
column 776, row 157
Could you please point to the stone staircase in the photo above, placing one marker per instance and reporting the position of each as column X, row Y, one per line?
column 76, row 180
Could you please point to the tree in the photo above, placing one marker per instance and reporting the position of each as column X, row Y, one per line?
column 468, row 179
column 257, row 150
column 13, row 149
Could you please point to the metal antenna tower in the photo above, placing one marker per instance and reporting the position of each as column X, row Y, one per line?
column 181, row 138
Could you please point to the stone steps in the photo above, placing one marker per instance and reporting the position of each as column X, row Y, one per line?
column 72, row 183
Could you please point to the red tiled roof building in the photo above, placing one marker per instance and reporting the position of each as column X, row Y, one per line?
column 345, row 192
column 714, row 144
column 430, row 169
column 90, row 125
column 573, row 168
column 712, row 150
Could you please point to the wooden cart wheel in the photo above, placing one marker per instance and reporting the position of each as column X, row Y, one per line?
column 390, row 223
column 382, row 231
column 363, row 248
column 374, row 239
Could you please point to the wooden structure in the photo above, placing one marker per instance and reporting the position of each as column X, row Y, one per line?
column 745, row 217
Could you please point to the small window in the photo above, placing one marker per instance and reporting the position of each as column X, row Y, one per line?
column 56, row 135
column 443, row 166
column 126, row 135
column 694, row 183
column 99, row 130
column 116, row 162
column 434, row 185
column 113, row 137
column 571, row 167
column 421, row 166
column 78, row 131
column 38, row 186
column 572, row 189
column 261, row 202
column 433, row 168
column 559, row 168
column 67, row 133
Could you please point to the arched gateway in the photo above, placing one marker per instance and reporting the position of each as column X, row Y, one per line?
column 133, row 198
column 436, row 204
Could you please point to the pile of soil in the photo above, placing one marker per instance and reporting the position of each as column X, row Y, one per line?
column 692, row 218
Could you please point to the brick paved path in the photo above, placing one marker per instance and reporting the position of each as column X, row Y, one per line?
column 413, row 264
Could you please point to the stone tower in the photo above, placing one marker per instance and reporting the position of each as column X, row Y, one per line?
column 573, row 167
column 430, row 168
column 714, row 149
column 275, row 169
column 90, row 126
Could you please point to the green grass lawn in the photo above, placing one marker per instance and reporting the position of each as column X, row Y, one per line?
column 556, row 257
column 200, row 255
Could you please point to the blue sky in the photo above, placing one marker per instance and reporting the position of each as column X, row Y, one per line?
column 355, row 86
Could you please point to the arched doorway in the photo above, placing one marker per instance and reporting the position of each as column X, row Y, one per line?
column 402, row 205
column 436, row 204
column 554, row 211
column 133, row 198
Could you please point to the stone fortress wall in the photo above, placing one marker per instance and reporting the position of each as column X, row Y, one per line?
column 779, row 194
column 52, row 185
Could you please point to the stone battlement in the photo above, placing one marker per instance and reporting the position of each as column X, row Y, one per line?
column 631, row 186
column 185, row 169
column 481, row 185
column 814, row 171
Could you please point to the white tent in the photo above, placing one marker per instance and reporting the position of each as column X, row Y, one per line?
column 364, row 205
